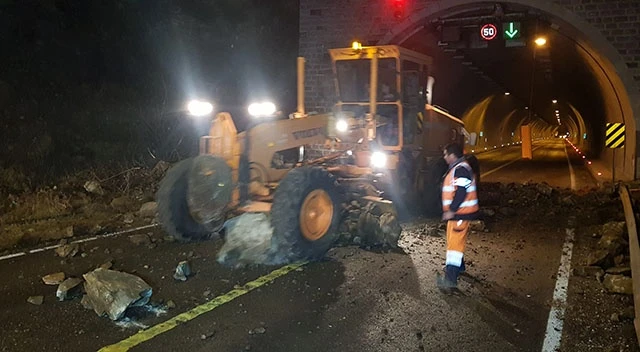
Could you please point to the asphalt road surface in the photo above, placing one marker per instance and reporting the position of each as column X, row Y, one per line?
column 553, row 162
column 355, row 300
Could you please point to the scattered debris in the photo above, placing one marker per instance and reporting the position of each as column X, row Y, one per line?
column 207, row 335
column 66, row 287
column 54, row 279
column 112, row 292
column 123, row 204
column 68, row 250
column 618, row 284
column 140, row 239
column 259, row 330
column 94, row 187
column 588, row 271
column 183, row 271
column 148, row 210
column 37, row 300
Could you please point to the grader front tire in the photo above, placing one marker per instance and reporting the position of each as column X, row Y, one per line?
column 306, row 213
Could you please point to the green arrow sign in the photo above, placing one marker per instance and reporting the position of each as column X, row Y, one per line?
column 511, row 30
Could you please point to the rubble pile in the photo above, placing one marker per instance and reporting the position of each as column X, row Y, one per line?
column 609, row 261
column 370, row 224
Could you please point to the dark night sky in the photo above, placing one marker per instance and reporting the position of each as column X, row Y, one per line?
column 88, row 73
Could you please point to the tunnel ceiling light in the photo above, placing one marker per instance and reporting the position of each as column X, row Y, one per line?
column 507, row 93
column 555, row 101
column 541, row 41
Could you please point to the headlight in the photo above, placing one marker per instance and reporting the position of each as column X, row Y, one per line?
column 342, row 126
column 379, row 160
column 262, row 109
column 199, row 108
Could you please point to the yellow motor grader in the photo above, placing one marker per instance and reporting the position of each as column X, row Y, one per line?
column 383, row 140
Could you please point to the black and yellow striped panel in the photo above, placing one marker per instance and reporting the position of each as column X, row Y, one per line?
column 420, row 122
column 615, row 135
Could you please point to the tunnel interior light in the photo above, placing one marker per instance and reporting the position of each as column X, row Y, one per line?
column 507, row 93
column 541, row 41
column 555, row 101
column 356, row 45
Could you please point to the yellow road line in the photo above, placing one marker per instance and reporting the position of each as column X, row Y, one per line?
column 156, row 330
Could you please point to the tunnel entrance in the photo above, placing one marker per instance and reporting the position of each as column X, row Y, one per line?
column 571, row 86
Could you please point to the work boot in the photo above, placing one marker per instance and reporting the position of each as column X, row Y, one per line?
column 445, row 285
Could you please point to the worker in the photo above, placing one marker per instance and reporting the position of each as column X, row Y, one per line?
column 459, row 207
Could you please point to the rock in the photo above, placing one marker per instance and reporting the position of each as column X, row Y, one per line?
column 628, row 313
column 128, row 218
column 183, row 270
column 106, row 265
column 248, row 241
column 37, row 300
column 620, row 270
column 259, row 330
column 614, row 229
column 568, row 200
column 148, row 210
column 544, row 188
column 618, row 284
column 600, row 258
column 54, row 279
column 94, row 187
column 378, row 225
column 509, row 212
column 170, row 304
column 67, row 250
column 123, row 204
column 477, row 225
column 68, row 231
column 66, row 287
column 588, row 271
column 140, row 239
column 614, row 317
column 112, row 292
column 488, row 212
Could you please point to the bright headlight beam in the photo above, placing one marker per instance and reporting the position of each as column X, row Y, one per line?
column 262, row 109
column 199, row 108
column 342, row 126
column 378, row 159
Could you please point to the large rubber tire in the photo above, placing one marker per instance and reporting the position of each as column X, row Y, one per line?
column 173, row 198
column 286, row 210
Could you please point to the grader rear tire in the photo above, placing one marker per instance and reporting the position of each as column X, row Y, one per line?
column 306, row 213
column 191, row 201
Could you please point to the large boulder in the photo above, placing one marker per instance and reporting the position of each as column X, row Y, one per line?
column 111, row 292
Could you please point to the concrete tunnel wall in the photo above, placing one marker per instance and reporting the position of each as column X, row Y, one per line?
column 609, row 53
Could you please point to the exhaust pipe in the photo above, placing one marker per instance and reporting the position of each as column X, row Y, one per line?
column 300, row 113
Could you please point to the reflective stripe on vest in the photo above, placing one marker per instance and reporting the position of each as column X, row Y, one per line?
column 470, row 203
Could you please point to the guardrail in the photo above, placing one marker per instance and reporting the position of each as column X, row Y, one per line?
column 634, row 252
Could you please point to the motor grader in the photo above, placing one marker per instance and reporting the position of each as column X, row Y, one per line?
column 382, row 142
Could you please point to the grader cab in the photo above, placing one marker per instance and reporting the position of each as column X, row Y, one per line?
column 302, row 169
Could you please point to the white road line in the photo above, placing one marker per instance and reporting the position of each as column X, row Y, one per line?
column 37, row 250
column 553, row 336
column 572, row 175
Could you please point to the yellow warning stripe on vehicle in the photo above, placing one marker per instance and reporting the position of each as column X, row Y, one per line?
column 148, row 334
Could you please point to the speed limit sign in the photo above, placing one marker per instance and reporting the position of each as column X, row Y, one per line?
column 488, row 31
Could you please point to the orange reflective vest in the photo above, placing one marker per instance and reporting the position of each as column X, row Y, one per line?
column 470, row 203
